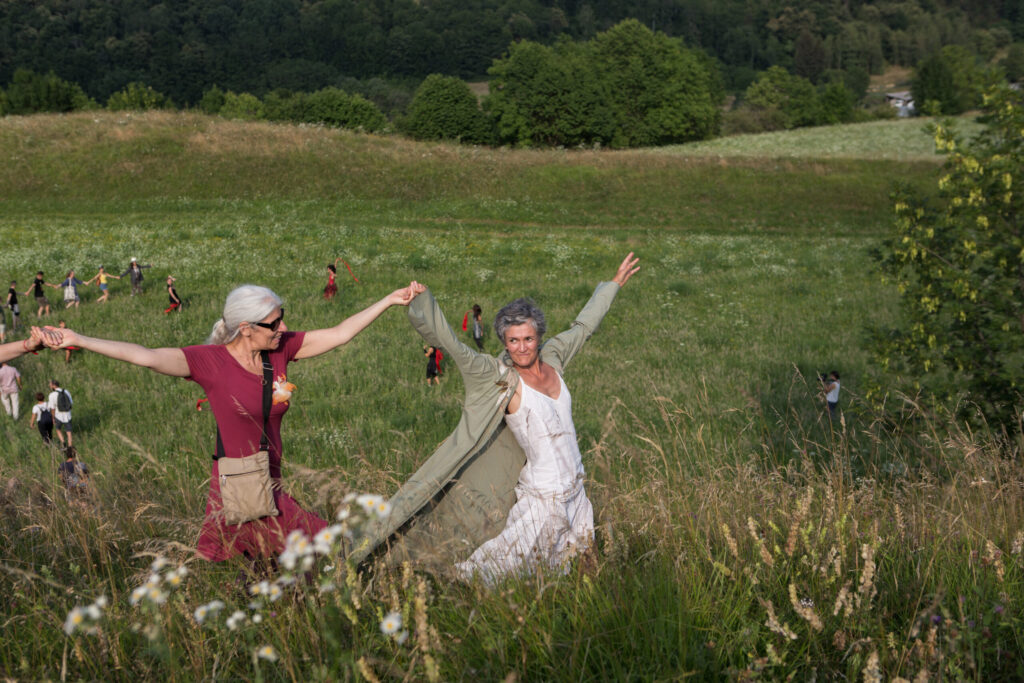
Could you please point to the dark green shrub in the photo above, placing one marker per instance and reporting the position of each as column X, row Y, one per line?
column 336, row 107
column 212, row 101
column 29, row 93
column 138, row 97
column 792, row 96
column 242, row 106
column 444, row 108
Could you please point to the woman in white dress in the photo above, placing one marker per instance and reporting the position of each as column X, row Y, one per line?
column 552, row 519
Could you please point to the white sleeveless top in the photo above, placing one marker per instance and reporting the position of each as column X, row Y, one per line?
column 544, row 429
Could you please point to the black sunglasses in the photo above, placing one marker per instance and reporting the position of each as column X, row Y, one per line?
column 274, row 324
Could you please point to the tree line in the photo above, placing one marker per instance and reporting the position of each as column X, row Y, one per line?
column 627, row 87
column 183, row 48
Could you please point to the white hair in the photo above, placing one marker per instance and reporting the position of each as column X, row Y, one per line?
column 245, row 304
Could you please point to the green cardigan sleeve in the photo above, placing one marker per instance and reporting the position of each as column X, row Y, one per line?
column 561, row 349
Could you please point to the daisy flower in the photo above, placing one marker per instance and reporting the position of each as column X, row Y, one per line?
column 391, row 623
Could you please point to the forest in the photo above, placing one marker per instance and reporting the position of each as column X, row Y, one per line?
column 183, row 48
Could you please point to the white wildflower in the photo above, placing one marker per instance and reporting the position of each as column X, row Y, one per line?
column 235, row 620
column 267, row 652
column 391, row 623
column 75, row 618
column 400, row 638
column 138, row 594
column 369, row 502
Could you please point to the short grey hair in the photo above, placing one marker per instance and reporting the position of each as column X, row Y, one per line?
column 519, row 312
column 245, row 304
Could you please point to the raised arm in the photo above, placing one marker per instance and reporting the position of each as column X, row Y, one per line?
column 322, row 341
column 166, row 361
column 427, row 319
column 562, row 347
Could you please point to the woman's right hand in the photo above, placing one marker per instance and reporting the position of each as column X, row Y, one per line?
column 55, row 337
column 404, row 296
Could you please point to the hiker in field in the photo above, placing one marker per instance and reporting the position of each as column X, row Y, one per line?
column 10, row 385
column 501, row 499
column 243, row 370
column 12, row 304
column 74, row 473
column 134, row 273
column 830, row 389
column 42, row 418
column 332, row 275
column 70, row 285
column 101, row 278
column 37, row 293
column 60, row 405
column 172, row 296
column 432, row 365
column 473, row 321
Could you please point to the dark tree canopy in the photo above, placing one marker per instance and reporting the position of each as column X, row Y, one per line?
column 183, row 48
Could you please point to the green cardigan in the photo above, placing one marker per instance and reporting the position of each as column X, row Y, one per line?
column 461, row 496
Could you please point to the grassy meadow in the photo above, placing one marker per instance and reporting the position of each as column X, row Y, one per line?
column 740, row 535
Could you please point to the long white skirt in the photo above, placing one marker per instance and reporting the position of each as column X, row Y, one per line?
column 542, row 529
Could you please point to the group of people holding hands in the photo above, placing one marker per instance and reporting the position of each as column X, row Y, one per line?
column 504, row 492
column 72, row 298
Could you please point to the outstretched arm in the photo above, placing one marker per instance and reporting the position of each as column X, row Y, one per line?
column 322, row 341
column 166, row 361
column 12, row 350
column 564, row 346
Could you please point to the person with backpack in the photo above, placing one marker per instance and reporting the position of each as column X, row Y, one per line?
column 74, row 473
column 60, row 405
column 42, row 418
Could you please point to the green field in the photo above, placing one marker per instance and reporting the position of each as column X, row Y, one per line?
column 719, row 488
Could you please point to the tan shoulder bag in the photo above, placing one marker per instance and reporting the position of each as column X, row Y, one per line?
column 246, row 487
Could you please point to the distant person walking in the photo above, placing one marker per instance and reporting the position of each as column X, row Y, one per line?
column 12, row 303
column 172, row 295
column 60, row 405
column 42, row 418
column 37, row 293
column 432, row 365
column 101, row 279
column 134, row 273
column 10, row 385
column 474, row 318
column 830, row 387
column 332, row 286
column 74, row 473
column 70, row 286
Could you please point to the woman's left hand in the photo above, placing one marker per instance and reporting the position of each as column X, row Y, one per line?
column 626, row 270
column 404, row 296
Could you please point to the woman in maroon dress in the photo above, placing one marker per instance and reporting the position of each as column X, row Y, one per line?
column 230, row 370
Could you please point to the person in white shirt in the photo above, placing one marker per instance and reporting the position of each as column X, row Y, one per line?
column 830, row 387
column 10, row 384
column 61, row 418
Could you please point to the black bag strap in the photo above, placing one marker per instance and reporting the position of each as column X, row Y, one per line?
column 268, row 382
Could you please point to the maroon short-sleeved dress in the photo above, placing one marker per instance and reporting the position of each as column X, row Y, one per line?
column 236, row 398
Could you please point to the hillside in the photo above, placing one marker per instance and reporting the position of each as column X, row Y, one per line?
column 742, row 183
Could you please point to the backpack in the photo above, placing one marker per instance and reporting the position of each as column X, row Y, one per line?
column 63, row 401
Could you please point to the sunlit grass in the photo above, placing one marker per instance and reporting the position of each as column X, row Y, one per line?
column 720, row 488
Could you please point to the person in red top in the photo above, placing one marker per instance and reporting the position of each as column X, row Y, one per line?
column 230, row 370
